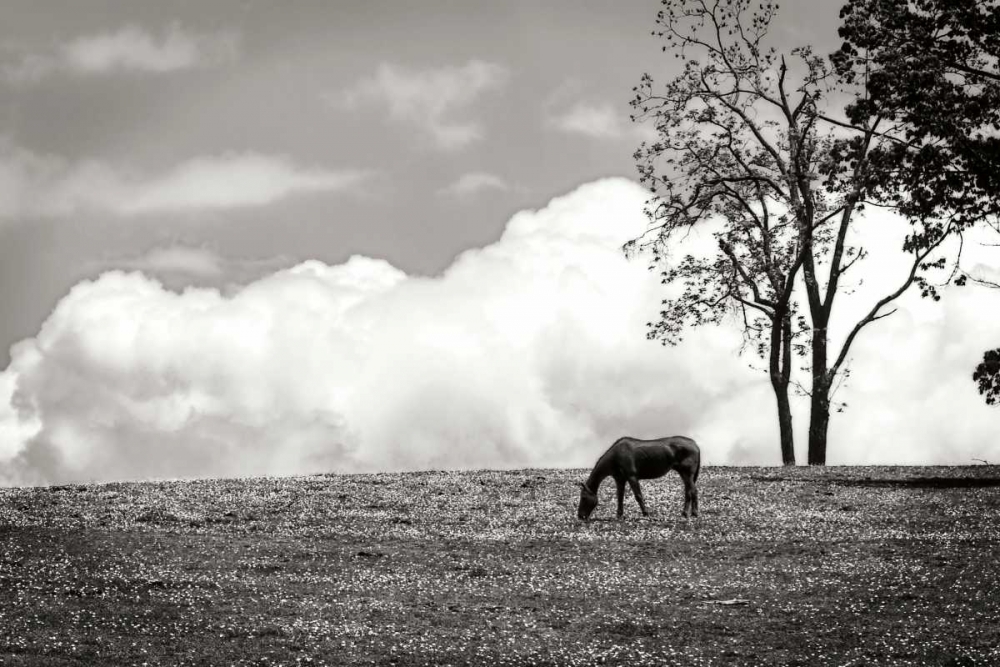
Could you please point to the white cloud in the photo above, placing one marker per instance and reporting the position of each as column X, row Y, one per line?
column 430, row 99
column 599, row 121
column 528, row 352
column 473, row 183
column 129, row 49
column 233, row 180
column 33, row 185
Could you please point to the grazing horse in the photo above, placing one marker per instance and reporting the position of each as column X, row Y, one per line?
column 631, row 459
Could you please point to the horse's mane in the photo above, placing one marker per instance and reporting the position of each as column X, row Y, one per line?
column 607, row 452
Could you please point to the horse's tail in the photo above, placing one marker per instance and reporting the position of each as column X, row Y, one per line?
column 697, row 466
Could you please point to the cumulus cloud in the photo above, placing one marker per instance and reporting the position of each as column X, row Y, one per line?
column 34, row 185
column 129, row 49
column 528, row 352
column 429, row 100
column 473, row 183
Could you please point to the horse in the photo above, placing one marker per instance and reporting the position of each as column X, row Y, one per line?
column 631, row 459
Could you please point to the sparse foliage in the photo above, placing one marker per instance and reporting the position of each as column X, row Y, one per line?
column 749, row 152
column 732, row 148
column 987, row 375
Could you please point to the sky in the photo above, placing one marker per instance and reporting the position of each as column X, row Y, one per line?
column 246, row 238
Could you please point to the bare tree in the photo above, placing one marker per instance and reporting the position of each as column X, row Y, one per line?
column 749, row 152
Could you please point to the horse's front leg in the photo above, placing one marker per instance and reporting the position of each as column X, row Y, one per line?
column 620, row 483
column 637, row 490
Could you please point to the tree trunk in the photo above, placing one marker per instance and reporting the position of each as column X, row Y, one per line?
column 785, row 426
column 780, row 373
column 819, row 409
column 819, row 422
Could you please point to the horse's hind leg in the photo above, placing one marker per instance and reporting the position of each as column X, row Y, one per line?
column 690, row 494
column 694, row 498
column 620, row 484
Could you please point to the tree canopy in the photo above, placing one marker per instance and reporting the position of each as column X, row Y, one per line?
column 932, row 72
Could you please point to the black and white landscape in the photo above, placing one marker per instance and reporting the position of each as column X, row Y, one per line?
column 313, row 316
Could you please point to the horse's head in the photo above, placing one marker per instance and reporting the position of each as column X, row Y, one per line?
column 588, row 501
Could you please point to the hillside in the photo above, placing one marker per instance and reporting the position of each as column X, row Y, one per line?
column 802, row 566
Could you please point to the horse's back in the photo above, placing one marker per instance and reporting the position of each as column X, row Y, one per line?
column 657, row 456
column 682, row 444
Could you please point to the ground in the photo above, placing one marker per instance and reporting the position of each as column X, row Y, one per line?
column 808, row 566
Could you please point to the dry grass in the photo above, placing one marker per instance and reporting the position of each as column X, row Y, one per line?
column 843, row 566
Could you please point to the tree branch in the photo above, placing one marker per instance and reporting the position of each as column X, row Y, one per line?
column 874, row 314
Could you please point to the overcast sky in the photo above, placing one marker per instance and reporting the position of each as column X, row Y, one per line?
column 252, row 149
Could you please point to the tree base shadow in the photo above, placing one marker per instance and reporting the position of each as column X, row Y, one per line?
column 923, row 482
column 901, row 483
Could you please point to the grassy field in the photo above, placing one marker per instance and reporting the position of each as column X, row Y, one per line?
column 845, row 566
